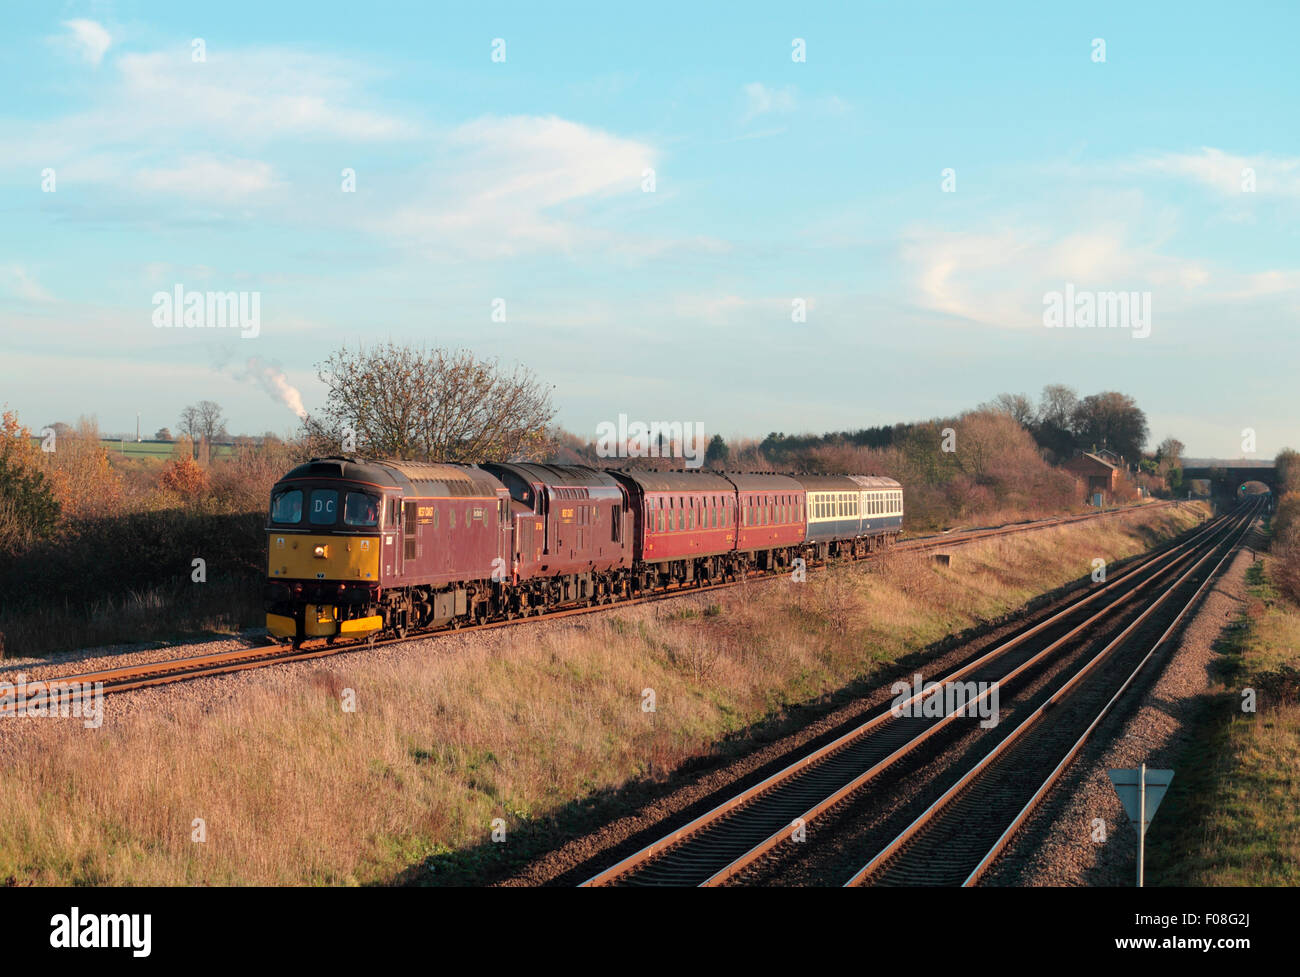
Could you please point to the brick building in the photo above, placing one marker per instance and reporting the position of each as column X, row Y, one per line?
column 1095, row 473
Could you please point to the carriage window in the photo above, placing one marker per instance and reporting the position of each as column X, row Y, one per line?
column 360, row 509
column 286, row 506
column 324, row 507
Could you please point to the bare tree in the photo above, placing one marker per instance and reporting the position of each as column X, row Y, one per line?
column 203, row 421
column 412, row 402
column 1018, row 406
column 1057, row 405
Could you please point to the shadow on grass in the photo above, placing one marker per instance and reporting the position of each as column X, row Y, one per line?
column 530, row 838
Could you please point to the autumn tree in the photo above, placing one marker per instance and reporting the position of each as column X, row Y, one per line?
column 1169, row 463
column 185, row 477
column 412, row 402
column 84, row 481
column 1288, row 471
column 28, row 508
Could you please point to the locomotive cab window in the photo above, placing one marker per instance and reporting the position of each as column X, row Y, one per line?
column 286, row 506
column 360, row 509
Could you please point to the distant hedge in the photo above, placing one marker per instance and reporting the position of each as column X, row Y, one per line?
column 109, row 557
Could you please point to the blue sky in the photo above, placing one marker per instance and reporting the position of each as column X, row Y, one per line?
column 774, row 180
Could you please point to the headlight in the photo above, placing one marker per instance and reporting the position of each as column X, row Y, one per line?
column 321, row 552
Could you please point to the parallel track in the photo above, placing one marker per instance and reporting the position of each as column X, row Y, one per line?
column 731, row 837
column 958, row 837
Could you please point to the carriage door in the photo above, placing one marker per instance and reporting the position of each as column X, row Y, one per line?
column 391, row 556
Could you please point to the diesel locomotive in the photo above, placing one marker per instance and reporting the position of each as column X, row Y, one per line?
column 359, row 547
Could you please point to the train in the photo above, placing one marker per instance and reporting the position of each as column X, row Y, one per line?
column 359, row 547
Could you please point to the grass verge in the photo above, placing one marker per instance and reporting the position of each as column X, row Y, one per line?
column 541, row 730
column 1235, row 818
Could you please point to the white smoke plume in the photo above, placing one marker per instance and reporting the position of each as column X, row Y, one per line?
column 273, row 380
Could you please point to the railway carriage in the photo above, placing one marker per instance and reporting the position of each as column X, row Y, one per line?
column 881, row 504
column 685, row 525
column 772, row 525
column 846, row 513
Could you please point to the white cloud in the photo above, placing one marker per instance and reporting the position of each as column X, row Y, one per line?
column 89, row 39
column 760, row 100
column 156, row 107
column 1224, row 171
column 998, row 278
column 19, row 282
column 259, row 93
column 208, row 176
column 509, row 184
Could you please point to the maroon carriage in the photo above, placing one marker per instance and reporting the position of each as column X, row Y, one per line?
column 685, row 525
column 772, row 520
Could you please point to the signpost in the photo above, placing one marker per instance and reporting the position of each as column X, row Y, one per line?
column 1141, row 791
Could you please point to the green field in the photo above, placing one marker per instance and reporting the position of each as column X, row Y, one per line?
column 149, row 449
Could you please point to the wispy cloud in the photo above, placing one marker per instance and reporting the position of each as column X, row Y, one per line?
column 510, row 184
column 156, row 108
column 761, row 99
column 19, row 282
column 998, row 277
column 89, row 39
column 1226, row 172
column 208, row 176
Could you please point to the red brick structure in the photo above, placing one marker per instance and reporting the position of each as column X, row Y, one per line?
column 1095, row 473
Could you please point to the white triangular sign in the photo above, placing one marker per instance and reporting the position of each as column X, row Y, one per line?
column 1126, row 786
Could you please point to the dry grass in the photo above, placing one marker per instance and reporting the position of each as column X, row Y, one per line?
column 1240, row 821
column 530, row 725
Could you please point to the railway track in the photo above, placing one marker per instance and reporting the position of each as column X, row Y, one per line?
column 946, row 845
column 130, row 677
column 735, row 835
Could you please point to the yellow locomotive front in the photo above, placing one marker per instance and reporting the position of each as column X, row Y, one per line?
column 324, row 541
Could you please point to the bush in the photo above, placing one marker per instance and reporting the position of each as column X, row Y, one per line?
column 1286, row 544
